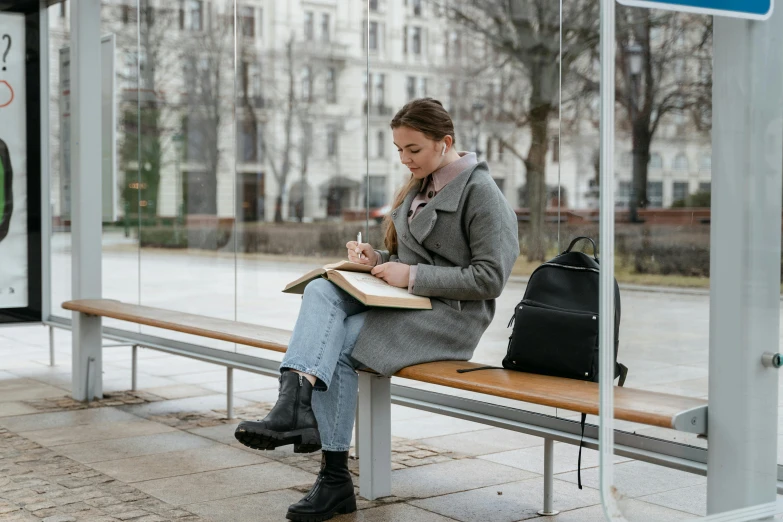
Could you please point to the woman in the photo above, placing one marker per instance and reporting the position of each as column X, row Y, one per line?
column 452, row 236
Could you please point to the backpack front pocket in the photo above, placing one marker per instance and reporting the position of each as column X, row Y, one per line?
column 553, row 341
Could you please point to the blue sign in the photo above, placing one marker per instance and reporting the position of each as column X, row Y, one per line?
column 753, row 9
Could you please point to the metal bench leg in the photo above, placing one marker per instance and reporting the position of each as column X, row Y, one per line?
column 229, row 392
column 356, row 432
column 374, row 436
column 87, row 360
column 549, row 478
column 51, row 346
column 134, row 366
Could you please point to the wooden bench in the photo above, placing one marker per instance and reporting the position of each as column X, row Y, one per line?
column 374, row 413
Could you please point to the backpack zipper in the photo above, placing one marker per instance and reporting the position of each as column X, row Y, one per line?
column 531, row 302
column 572, row 267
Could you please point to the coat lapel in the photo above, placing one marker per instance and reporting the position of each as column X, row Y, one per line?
column 447, row 200
column 404, row 236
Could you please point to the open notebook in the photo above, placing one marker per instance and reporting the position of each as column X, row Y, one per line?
column 356, row 279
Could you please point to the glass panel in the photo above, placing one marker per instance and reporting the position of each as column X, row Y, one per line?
column 129, row 166
column 662, row 238
column 59, row 147
column 186, row 146
column 300, row 175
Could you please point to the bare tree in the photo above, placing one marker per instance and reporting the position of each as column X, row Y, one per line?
column 673, row 52
column 526, row 36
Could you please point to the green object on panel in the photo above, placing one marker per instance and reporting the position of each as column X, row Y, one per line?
column 6, row 193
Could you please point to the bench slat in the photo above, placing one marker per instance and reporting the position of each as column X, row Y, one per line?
column 651, row 408
column 248, row 334
column 645, row 407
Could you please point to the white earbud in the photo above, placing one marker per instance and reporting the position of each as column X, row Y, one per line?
column 443, row 153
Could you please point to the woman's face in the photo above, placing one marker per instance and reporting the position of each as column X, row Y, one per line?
column 419, row 154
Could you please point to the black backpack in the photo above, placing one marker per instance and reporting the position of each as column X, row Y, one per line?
column 556, row 323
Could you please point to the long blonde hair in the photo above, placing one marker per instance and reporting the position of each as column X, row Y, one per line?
column 427, row 116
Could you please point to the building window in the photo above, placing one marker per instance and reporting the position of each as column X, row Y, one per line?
column 681, row 162
column 308, row 25
column 377, row 191
column 455, row 45
column 380, row 88
column 62, row 8
column 325, row 36
column 422, row 87
column 656, row 161
column 655, row 194
column 192, row 18
column 679, row 191
column 250, row 141
column 331, row 140
column 556, row 149
column 374, row 36
column 488, row 152
column 381, row 143
column 331, row 87
column 416, row 40
column 416, row 7
column 405, row 39
column 623, row 194
column 705, row 186
column 307, row 83
column 195, row 130
column 410, row 87
column 706, row 162
column 247, row 21
column 373, row 5
column 500, row 182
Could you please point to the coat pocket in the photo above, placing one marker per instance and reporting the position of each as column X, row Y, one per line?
column 553, row 341
column 454, row 303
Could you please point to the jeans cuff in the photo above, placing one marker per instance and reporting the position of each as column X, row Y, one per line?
column 334, row 448
column 321, row 383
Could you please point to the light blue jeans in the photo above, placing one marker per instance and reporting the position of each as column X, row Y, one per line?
column 326, row 330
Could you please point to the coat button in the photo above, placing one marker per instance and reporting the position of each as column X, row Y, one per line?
column 437, row 244
column 430, row 194
column 394, row 214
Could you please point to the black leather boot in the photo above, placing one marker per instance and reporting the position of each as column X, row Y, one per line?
column 332, row 494
column 291, row 421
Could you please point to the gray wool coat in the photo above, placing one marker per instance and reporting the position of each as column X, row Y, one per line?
column 465, row 242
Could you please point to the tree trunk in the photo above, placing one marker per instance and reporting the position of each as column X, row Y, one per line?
column 536, row 181
column 641, row 162
column 279, row 208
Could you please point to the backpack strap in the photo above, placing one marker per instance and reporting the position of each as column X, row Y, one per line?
column 581, row 443
column 466, row 370
column 623, row 370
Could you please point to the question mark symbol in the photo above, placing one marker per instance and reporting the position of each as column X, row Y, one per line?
column 7, row 49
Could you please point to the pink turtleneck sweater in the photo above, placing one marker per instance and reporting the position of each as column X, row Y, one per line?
column 433, row 184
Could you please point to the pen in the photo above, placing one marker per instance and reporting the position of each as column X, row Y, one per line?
column 359, row 240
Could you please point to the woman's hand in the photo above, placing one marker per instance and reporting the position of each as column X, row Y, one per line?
column 368, row 257
column 396, row 274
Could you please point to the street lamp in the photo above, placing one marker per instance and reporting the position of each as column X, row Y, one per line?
column 634, row 53
column 477, row 113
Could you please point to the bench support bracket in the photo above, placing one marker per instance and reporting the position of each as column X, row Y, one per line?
column 229, row 392
column 87, row 360
column 549, row 478
column 374, row 436
column 134, row 367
